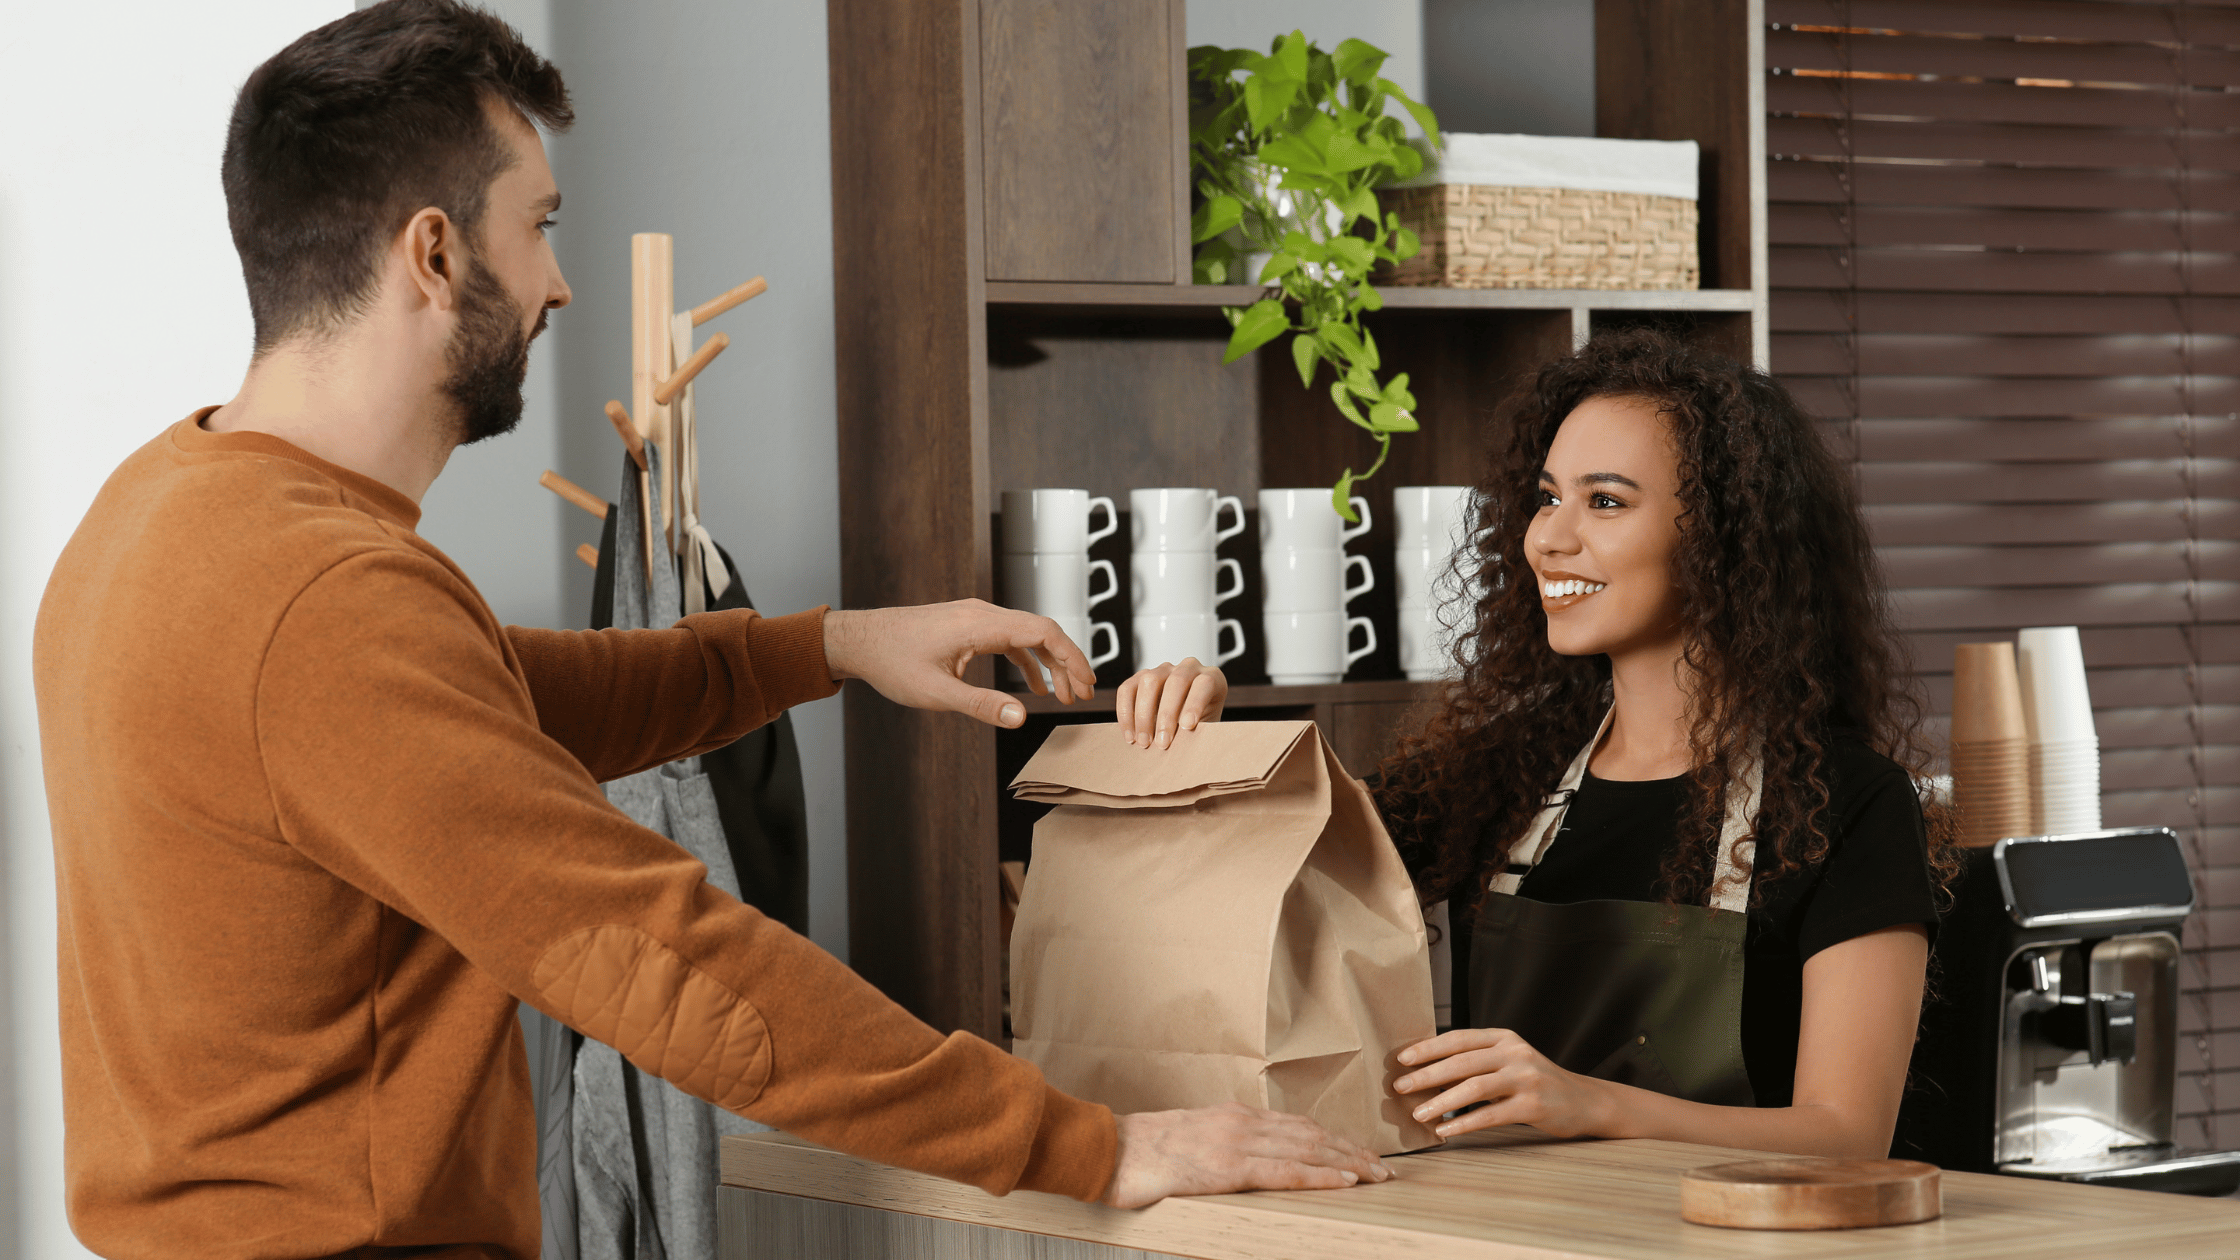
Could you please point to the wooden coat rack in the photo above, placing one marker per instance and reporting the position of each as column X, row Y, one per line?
column 663, row 363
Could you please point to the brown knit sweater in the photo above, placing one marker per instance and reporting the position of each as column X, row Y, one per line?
column 319, row 820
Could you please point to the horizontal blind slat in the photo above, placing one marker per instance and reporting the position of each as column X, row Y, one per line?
column 1929, row 524
column 2069, row 564
column 2120, row 314
column 2001, row 187
column 2002, row 59
column 2098, row 231
column 2054, row 19
column 1922, row 354
column 2158, row 144
column 1901, row 396
column 2062, row 438
column 1997, row 102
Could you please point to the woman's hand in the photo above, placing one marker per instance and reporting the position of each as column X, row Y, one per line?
column 1155, row 703
column 1518, row 1083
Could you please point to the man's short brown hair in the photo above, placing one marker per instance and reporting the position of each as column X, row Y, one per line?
column 345, row 134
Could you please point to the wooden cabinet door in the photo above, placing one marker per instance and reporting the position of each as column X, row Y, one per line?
column 1082, row 167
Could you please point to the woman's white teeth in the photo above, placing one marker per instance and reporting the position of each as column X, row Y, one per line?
column 1574, row 586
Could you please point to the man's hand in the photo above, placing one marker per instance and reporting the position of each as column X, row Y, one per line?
column 1232, row 1147
column 916, row 656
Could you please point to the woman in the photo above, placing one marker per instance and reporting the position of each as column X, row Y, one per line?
column 1670, row 800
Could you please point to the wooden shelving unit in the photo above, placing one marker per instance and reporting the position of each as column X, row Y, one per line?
column 1011, row 210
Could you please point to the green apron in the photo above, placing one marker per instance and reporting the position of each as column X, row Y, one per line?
column 1629, row 991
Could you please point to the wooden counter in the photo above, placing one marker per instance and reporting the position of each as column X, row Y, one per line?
column 1512, row 1194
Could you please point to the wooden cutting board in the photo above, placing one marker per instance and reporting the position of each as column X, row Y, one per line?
column 1811, row 1193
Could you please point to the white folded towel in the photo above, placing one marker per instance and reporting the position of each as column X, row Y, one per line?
column 1662, row 168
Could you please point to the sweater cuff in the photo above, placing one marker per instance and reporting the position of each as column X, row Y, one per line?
column 1076, row 1149
column 788, row 657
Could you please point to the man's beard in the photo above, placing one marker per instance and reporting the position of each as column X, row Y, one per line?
column 489, row 358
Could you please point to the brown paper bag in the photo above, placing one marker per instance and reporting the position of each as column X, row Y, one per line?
column 1222, row 921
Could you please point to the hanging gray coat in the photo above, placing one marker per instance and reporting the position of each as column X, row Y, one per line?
column 627, row 1164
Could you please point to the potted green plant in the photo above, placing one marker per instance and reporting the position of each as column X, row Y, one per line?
column 1288, row 148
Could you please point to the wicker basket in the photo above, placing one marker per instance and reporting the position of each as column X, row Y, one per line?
column 1485, row 236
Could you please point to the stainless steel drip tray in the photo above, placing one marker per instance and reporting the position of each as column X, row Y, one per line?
column 2175, row 1169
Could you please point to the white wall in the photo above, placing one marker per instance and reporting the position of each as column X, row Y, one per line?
column 121, row 309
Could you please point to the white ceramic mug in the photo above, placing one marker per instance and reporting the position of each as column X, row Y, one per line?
column 1054, row 520
column 1314, row 647
column 1165, row 638
column 1422, row 576
column 1298, row 580
column 1181, row 519
column 1426, row 645
column 1430, row 517
column 1304, row 519
column 1181, row 581
column 1056, row 583
column 1084, row 634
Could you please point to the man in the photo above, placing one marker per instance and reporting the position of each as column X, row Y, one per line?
column 320, row 821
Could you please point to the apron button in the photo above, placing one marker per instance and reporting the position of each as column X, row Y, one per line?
column 1641, row 1040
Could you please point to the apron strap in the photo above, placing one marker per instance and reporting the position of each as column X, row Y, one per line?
column 1730, row 879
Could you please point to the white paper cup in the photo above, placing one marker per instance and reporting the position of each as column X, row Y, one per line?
column 1181, row 519
column 1166, row 638
column 1054, row 520
column 1056, row 583
column 1295, row 579
column 1181, row 581
column 1434, row 518
column 1304, row 519
column 1426, row 646
column 1314, row 647
column 2056, row 703
column 1084, row 634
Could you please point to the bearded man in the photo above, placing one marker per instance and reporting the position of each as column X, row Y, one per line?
column 320, row 821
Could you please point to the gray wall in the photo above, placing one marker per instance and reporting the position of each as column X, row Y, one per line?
column 1511, row 65
column 708, row 122
column 1393, row 25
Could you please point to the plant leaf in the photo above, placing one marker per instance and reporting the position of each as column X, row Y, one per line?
column 1358, row 62
column 1279, row 266
column 1341, row 338
column 1291, row 54
column 1352, row 251
column 1341, row 497
column 1416, row 110
column 1360, row 203
column 1261, row 323
column 1368, row 299
column 1387, row 417
column 1306, row 353
column 1215, row 217
column 1369, row 353
column 1290, row 153
column 1406, row 244
column 1344, row 399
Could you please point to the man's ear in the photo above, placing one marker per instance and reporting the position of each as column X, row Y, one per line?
column 431, row 246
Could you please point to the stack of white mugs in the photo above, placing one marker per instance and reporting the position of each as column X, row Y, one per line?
column 1434, row 523
column 1176, row 581
column 2064, row 743
column 1306, row 581
column 1046, row 565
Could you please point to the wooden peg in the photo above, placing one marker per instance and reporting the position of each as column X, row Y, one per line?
column 690, row 368
column 588, row 554
column 628, row 432
column 574, row 493
column 715, row 306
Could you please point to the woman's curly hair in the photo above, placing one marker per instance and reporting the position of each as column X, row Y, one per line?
column 1787, row 632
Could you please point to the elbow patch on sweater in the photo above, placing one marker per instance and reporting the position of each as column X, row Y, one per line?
column 671, row 1019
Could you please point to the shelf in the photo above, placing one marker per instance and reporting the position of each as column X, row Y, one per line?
column 1189, row 299
column 1267, row 696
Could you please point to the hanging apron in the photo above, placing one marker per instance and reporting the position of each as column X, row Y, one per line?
column 1635, row 992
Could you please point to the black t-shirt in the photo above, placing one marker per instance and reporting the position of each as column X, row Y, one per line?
column 1876, row 875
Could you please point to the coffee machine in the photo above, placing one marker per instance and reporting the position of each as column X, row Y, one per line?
column 2049, row 1038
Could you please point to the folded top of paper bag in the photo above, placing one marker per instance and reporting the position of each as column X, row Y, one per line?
column 1095, row 764
column 1661, row 168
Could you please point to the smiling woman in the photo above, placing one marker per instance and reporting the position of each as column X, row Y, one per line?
column 1671, row 798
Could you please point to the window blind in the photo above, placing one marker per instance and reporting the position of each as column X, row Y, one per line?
column 2005, row 248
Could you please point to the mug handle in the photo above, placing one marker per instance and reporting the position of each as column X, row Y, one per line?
column 1370, row 646
column 1220, row 657
column 1368, row 579
column 1221, row 596
column 1111, row 521
column 1111, row 582
column 1360, row 509
column 1110, row 632
column 1235, row 504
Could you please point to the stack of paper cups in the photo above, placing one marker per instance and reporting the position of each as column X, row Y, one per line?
column 2064, row 744
column 1047, row 570
column 1990, row 745
column 1434, row 523
column 1306, row 581
column 1176, row 581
